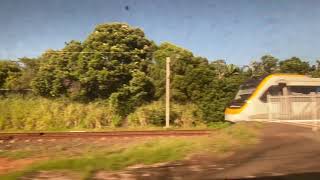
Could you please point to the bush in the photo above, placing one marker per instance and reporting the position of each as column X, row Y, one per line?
column 154, row 114
column 151, row 114
column 187, row 115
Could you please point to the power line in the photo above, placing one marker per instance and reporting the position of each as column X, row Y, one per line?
column 91, row 52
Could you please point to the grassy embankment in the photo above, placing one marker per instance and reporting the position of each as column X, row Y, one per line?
column 119, row 156
column 39, row 114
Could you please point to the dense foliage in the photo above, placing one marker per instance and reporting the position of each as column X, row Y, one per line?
column 116, row 64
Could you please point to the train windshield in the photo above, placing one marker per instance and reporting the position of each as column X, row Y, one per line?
column 245, row 91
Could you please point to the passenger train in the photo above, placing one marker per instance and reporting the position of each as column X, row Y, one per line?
column 250, row 103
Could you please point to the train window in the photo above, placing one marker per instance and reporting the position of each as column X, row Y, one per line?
column 245, row 91
column 272, row 91
column 303, row 90
column 242, row 96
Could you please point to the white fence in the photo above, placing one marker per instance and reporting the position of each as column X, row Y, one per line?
column 302, row 108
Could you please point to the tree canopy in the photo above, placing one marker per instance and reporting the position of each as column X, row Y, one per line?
column 294, row 65
column 104, row 63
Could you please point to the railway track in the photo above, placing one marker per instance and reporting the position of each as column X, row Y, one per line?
column 123, row 134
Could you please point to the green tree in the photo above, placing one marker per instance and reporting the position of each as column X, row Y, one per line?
column 216, row 95
column 182, row 61
column 139, row 90
column 110, row 55
column 21, row 80
column 9, row 72
column 269, row 64
column 294, row 65
column 96, row 68
column 256, row 69
column 316, row 70
column 57, row 71
column 222, row 69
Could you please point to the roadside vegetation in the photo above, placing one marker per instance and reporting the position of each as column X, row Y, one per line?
column 86, row 159
column 116, row 78
column 32, row 113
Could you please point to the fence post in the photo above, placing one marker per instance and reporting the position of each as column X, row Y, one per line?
column 168, row 92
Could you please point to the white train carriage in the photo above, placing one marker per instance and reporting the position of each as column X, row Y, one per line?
column 285, row 97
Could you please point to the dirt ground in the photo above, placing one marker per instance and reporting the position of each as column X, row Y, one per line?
column 284, row 152
column 17, row 154
column 9, row 164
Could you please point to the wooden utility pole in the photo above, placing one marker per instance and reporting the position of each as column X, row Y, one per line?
column 167, row 92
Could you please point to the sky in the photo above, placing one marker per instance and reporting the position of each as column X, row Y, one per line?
column 238, row 31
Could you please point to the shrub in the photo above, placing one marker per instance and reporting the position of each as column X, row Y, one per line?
column 154, row 114
column 187, row 115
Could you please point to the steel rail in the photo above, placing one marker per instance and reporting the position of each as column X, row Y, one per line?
column 8, row 136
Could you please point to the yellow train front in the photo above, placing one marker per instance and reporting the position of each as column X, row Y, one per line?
column 250, row 103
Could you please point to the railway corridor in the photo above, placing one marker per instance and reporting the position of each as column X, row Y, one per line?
column 284, row 152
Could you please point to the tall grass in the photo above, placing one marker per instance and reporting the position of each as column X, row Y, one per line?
column 35, row 113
